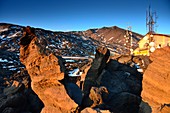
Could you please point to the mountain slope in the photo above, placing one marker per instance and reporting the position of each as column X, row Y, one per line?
column 113, row 38
column 75, row 43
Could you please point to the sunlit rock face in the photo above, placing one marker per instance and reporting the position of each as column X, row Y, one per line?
column 45, row 71
column 156, row 85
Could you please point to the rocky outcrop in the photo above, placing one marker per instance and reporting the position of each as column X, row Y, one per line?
column 102, row 55
column 156, row 81
column 17, row 95
column 110, row 85
column 46, row 70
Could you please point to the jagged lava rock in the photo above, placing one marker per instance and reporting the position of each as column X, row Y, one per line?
column 98, row 64
column 124, row 87
column 111, row 85
column 45, row 71
column 156, row 85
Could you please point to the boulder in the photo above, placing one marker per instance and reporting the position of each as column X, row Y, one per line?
column 113, row 65
column 98, row 95
column 124, row 59
column 113, row 86
column 156, row 81
column 17, row 101
column 9, row 110
column 124, row 102
column 123, row 88
column 99, row 63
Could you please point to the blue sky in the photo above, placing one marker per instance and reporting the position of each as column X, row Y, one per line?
column 65, row 15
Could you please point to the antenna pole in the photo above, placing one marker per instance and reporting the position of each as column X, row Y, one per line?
column 150, row 20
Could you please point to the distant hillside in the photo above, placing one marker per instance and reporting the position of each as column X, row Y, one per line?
column 75, row 43
column 65, row 42
column 112, row 37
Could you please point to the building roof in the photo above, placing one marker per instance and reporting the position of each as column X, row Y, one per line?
column 153, row 33
column 162, row 35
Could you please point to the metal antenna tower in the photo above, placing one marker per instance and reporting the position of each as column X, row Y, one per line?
column 151, row 20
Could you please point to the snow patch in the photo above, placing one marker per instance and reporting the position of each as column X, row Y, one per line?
column 11, row 49
column 3, row 36
column 18, row 71
column 14, row 35
column 10, row 62
column 70, row 60
column 2, row 30
column 74, row 73
column 111, row 38
column 3, row 60
column 84, row 38
column 140, row 70
column 138, row 67
column 13, row 69
column 11, row 66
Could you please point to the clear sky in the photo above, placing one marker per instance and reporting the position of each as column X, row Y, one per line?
column 65, row 15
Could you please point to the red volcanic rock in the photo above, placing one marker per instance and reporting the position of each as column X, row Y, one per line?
column 45, row 72
column 156, row 85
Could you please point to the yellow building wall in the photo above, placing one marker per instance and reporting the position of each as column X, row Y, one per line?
column 143, row 41
column 162, row 40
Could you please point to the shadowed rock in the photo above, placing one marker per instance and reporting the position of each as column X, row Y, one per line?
column 74, row 92
column 113, row 86
column 99, row 63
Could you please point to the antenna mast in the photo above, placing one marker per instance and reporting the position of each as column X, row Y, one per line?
column 151, row 18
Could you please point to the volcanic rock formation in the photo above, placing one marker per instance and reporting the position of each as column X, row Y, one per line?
column 156, row 85
column 45, row 71
column 109, row 85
